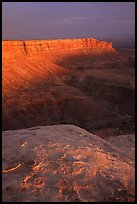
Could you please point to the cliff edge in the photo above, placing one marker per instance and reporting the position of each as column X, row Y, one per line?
column 11, row 49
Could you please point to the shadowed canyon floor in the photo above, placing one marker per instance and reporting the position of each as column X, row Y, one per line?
column 70, row 85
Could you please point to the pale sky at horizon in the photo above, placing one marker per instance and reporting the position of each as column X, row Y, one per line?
column 50, row 20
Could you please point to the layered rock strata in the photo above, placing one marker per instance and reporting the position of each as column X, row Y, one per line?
column 11, row 49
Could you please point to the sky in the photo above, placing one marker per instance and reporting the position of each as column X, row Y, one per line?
column 55, row 20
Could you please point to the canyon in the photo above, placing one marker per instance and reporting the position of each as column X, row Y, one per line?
column 71, row 101
column 84, row 82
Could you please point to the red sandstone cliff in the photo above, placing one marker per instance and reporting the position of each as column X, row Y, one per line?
column 31, row 48
column 23, row 61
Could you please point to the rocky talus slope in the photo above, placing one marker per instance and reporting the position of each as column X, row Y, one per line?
column 64, row 163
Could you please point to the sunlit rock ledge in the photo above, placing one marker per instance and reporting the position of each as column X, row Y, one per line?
column 64, row 163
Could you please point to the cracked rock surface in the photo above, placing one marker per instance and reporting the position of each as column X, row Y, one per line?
column 64, row 163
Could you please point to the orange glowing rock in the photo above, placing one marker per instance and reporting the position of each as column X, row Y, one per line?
column 33, row 58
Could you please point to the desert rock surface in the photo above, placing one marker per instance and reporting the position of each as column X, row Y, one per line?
column 64, row 163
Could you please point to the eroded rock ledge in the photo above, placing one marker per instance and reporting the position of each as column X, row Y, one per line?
column 64, row 163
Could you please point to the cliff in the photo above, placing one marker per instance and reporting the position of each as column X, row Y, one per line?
column 32, row 48
column 32, row 60
column 64, row 163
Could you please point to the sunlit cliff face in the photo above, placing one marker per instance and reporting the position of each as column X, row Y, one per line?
column 32, row 48
column 25, row 62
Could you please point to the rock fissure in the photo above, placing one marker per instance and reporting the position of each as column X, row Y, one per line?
column 25, row 48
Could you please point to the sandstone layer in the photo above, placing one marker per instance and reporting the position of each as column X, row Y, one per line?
column 64, row 163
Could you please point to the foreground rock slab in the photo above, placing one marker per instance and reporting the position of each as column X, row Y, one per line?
column 64, row 163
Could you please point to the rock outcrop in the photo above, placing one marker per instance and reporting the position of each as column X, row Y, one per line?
column 64, row 163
